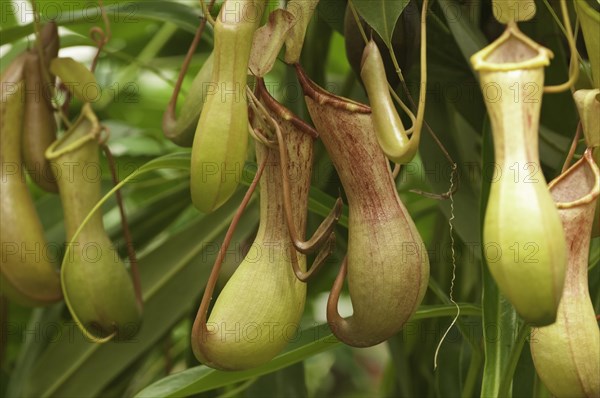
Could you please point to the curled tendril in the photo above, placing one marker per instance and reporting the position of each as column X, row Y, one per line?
column 100, row 36
column 135, row 274
column 103, row 134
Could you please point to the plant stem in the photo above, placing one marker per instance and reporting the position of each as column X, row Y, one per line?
column 513, row 360
column 135, row 272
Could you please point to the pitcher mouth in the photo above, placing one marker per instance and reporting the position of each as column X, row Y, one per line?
column 513, row 50
column 582, row 193
column 86, row 128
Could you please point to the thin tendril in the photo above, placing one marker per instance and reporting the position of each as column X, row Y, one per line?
column 206, row 11
column 99, row 36
column 571, row 153
column 396, row 171
column 38, row 42
column 135, row 272
column 451, row 226
column 188, row 59
column 358, row 23
column 573, row 67
column 199, row 326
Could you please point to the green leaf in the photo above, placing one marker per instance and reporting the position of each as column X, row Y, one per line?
column 31, row 349
column 594, row 258
column 178, row 160
column 332, row 11
column 173, row 275
column 512, row 362
column 71, row 363
column 381, row 15
column 558, row 111
column 201, row 378
column 462, row 145
column 152, row 218
column 500, row 320
column 306, row 343
column 590, row 24
column 288, row 382
column 184, row 16
column 468, row 37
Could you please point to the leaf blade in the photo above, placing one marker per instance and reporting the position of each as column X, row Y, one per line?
column 201, row 378
column 381, row 15
column 500, row 320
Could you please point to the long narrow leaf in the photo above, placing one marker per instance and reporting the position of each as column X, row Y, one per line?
column 306, row 343
column 500, row 321
column 183, row 15
column 171, row 279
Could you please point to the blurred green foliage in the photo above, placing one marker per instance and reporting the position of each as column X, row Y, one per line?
column 44, row 354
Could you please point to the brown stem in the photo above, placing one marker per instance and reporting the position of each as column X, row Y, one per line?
column 324, row 234
column 100, row 36
column 40, row 50
column 169, row 116
column 135, row 272
column 573, row 148
column 48, row 78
